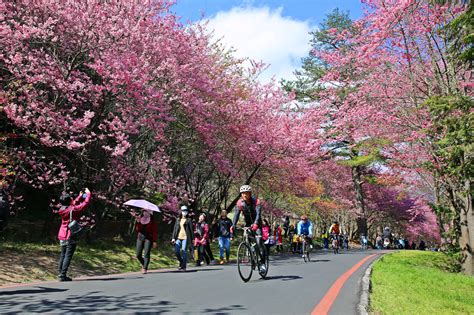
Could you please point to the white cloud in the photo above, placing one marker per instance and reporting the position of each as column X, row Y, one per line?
column 264, row 35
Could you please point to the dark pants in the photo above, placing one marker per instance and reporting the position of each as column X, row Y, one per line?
column 201, row 255
column 65, row 259
column 144, row 245
column 209, row 251
column 326, row 242
column 279, row 248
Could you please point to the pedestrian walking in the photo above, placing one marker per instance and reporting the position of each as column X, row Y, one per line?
column 207, row 249
column 147, row 237
column 286, row 225
column 201, row 238
column 278, row 239
column 325, row 237
column 70, row 211
column 225, row 236
column 267, row 237
column 182, row 237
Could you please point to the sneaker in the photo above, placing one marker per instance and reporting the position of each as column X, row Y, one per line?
column 222, row 262
column 65, row 278
column 144, row 271
column 262, row 268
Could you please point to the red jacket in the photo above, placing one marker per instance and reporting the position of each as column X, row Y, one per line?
column 201, row 234
column 149, row 230
column 76, row 209
column 278, row 236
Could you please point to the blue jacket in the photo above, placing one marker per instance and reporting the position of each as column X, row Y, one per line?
column 305, row 228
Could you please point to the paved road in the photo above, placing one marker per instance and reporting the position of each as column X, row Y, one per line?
column 292, row 287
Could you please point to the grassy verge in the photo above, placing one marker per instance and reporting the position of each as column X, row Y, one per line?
column 416, row 282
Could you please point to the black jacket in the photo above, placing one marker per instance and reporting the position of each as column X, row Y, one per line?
column 223, row 227
column 188, row 225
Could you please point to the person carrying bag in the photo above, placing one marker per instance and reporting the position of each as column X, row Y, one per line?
column 70, row 229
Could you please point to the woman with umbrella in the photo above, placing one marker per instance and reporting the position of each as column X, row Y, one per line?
column 146, row 230
column 146, row 237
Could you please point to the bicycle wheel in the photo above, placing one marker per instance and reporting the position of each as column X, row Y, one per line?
column 263, row 271
column 304, row 250
column 244, row 262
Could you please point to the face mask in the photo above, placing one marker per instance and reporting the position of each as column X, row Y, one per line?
column 184, row 213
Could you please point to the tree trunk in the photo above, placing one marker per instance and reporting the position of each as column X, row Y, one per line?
column 360, row 202
column 467, row 232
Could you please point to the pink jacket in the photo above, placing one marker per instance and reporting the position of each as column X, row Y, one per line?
column 265, row 232
column 76, row 209
column 201, row 235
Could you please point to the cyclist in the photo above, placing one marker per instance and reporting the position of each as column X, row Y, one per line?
column 250, row 207
column 334, row 230
column 305, row 229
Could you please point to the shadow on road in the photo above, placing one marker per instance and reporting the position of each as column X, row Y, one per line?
column 91, row 302
column 282, row 278
column 224, row 310
column 191, row 270
column 32, row 291
column 108, row 279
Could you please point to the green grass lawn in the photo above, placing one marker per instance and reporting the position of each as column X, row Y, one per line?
column 416, row 282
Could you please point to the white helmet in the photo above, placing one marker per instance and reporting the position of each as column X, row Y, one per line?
column 245, row 188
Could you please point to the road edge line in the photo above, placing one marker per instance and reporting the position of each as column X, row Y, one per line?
column 363, row 306
column 327, row 301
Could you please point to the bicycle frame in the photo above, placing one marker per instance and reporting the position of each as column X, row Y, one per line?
column 252, row 242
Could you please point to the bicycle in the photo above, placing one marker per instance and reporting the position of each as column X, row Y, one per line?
column 335, row 243
column 305, row 248
column 249, row 257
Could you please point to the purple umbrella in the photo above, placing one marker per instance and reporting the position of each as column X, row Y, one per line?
column 143, row 204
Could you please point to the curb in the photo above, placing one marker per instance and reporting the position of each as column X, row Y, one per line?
column 363, row 306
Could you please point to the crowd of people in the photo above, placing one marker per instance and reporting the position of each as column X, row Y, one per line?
column 195, row 238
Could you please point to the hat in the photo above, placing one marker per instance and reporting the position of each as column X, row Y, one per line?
column 184, row 209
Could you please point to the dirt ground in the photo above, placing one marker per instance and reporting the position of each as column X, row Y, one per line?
column 17, row 267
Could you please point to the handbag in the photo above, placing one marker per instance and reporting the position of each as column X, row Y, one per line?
column 74, row 227
column 270, row 241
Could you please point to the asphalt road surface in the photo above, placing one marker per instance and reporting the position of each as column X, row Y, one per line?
column 291, row 287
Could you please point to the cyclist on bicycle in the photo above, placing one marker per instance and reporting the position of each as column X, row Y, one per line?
column 335, row 231
column 250, row 207
column 305, row 229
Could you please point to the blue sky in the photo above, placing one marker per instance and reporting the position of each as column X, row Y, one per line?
column 311, row 10
column 273, row 31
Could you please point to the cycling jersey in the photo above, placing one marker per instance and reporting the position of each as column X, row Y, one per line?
column 305, row 228
column 334, row 229
column 250, row 211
